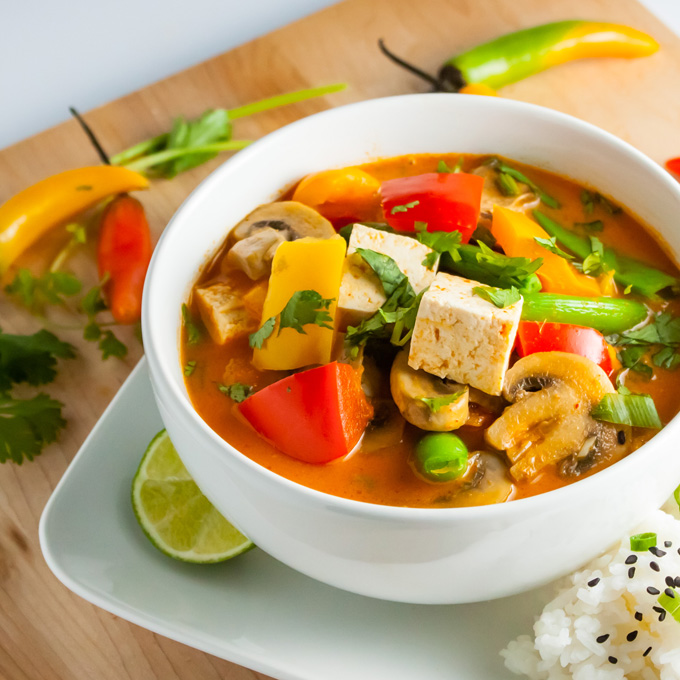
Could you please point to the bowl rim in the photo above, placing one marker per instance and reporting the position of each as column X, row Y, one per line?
column 603, row 478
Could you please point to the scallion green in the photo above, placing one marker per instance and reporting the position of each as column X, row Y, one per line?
column 636, row 410
column 642, row 542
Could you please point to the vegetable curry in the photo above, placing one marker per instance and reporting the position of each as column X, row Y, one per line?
column 435, row 331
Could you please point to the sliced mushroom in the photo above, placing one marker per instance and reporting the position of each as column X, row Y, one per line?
column 492, row 195
column 410, row 390
column 263, row 230
column 553, row 394
column 486, row 482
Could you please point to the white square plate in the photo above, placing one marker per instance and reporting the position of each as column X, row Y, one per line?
column 253, row 610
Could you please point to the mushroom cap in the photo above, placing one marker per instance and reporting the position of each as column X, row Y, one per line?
column 411, row 386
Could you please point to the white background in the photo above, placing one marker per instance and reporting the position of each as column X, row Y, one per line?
column 57, row 53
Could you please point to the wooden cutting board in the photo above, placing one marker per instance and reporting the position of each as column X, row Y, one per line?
column 46, row 632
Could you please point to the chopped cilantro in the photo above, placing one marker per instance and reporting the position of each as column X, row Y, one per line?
column 548, row 200
column 256, row 339
column 306, row 307
column 191, row 327
column 500, row 297
column 662, row 333
column 551, row 245
column 594, row 264
column 632, row 358
column 440, row 242
column 435, row 404
column 237, row 391
column 442, row 167
column 587, row 201
column 109, row 344
column 189, row 368
column 595, row 225
column 404, row 208
column 386, row 269
column 36, row 292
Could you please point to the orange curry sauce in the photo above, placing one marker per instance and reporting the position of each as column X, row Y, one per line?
column 386, row 475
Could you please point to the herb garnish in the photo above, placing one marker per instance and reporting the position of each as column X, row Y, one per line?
column 304, row 307
column 595, row 225
column 109, row 344
column 440, row 242
column 404, row 208
column 590, row 198
column 193, row 331
column 237, row 391
column 500, row 297
column 37, row 292
column 435, row 404
column 594, row 264
column 191, row 143
column 663, row 333
column 504, row 169
column 189, row 368
column 551, row 245
column 442, row 167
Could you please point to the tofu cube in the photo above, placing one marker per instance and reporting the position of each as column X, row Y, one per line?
column 463, row 337
column 361, row 293
column 223, row 312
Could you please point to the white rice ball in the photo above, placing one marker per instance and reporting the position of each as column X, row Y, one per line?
column 606, row 622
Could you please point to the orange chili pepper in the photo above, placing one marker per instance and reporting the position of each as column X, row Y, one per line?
column 123, row 255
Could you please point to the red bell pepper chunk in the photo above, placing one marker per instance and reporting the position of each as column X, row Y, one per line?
column 445, row 201
column 533, row 336
column 673, row 165
column 315, row 416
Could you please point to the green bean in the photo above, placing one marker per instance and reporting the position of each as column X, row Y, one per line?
column 607, row 315
column 642, row 278
column 441, row 456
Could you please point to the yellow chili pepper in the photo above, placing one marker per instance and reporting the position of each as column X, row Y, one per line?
column 305, row 264
column 346, row 193
column 478, row 88
column 31, row 213
column 516, row 234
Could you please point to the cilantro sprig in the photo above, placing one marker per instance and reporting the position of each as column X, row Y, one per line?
column 27, row 425
column 304, row 307
column 550, row 244
column 440, row 242
column 95, row 331
column 190, row 143
column 500, row 297
column 238, row 392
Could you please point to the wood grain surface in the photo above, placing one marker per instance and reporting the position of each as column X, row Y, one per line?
column 46, row 632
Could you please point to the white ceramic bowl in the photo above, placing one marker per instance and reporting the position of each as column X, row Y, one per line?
column 406, row 554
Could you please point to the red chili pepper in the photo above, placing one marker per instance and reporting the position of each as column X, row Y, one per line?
column 315, row 416
column 673, row 165
column 123, row 255
column 534, row 336
column 445, row 201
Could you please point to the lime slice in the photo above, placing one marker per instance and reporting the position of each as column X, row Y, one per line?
column 177, row 518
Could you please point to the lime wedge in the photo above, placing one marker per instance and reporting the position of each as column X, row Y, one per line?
column 176, row 517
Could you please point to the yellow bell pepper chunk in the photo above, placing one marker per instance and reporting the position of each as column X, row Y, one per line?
column 28, row 215
column 515, row 233
column 341, row 193
column 305, row 264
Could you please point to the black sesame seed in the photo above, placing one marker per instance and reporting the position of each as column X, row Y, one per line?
column 613, row 659
column 647, row 651
column 592, row 583
column 658, row 609
column 670, row 593
column 638, row 616
column 662, row 615
column 653, row 591
column 669, row 581
column 602, row 638
column 657, row 551
column 667, row 544
column 632, row 635
column 655, row 566
column 631, row 572
column 631, row 559
column 621, row 436
column 676, row 581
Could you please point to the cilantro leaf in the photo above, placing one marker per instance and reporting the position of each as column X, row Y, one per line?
column 551, row 245
column 440, row 242
column 594, row 264
column 306, row 307
column 404, row 208
column 92, row 304
column 442, row 167
column 548, row 200
column 27, row 425
column 256, row 339
column 435, row 404
column 500, row 297
column 189, row 368
column 111, row 346
column 587, row 201
column 387, row 270
column 191, row 327
column 36, row 292
column 632, row 358
column 31, row 358
column 667, row 358
column 237, row 391
column 595, row 225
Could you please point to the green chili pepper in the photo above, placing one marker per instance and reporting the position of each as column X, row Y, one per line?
column 515, row 56
column 607, row 315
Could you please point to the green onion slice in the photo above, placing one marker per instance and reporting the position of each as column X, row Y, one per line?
column 637, row 410
column 671, row 604
column 642, row 542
